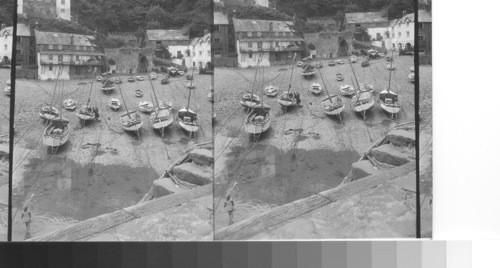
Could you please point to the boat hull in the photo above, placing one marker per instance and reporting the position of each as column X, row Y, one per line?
column 107, row 90
column 335, row 111
column 55, row 140
column 390, row 109
column 47, row 116
column 287, row 103
column 257, row 128
column 364, row 107
column 189, row 127
column 248, row 104
column 135, row 127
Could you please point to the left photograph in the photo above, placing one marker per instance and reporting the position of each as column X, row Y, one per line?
column 7, row 8
column 113, row 121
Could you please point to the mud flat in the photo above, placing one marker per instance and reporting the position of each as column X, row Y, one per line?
column 173, row 209
column 305, row 151
column 376, row 199
column 102, row 168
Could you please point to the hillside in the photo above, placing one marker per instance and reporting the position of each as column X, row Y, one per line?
column 135, row 15
column 7, row 8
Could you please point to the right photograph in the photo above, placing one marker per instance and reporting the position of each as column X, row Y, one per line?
column 314, row 120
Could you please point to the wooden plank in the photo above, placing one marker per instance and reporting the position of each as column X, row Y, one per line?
column 93, row 226
column 257, row 224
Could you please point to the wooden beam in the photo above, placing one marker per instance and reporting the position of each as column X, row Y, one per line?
column 94, row 226
column 255, row 225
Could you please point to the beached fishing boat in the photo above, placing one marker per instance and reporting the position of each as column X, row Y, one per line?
column 365, row 63
column 353, row 58
column 57, row 132
column 389, row 99
column 188, row 119
column 347, row 90
column 86, row 112
column 333, row 105
column 190, row 84
column 139, row 78
column 389, row 102
column 316, row 88
column 411, row 77
column 138, row 93
column 48, row 112
column 287, row 99
column 339, row 77
column 331, row 63
column 99, row 78
column 131, row 79
column 166, row 104
column 69, row 104
column 165, row 81
column 210, row 95
column 340, row 62
column 130, row 119
column 271, row 91
column 146, row 106
column 153, row 76
column 362, row 102
column 7, row 88
column 258, row 120
column 161, row 118
column 107, row 86
column 308, row 71
column 367, row 87
column 114, row 104
column 249, row 100
column 390, row 66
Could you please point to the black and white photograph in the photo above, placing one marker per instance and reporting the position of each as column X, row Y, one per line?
column 314, row 127
column 113, row 121
column 6, row 40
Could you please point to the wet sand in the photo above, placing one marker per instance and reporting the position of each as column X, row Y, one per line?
column 324, row 146
column 102, row 168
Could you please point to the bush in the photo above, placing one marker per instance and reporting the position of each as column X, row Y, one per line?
column 113, row 43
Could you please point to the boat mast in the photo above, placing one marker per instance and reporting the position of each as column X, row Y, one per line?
column 352, row 69
column 91, row 85
column 326, row 89
column 390, row 71
column 62, row 88
column 291, row 75
column 154, row 92
column 124, row 102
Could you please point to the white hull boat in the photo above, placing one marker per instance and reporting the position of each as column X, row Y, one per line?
column 131, row 121
column 258, row 120
column 56, row 133
column 161, row 118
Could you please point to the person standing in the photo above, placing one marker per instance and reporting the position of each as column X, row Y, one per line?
column 96, row 112
column 26, row 218
column 229, row 208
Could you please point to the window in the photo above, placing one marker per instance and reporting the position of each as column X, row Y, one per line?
column 393, row 45
column 5, row 47
column 421, row 38
column 250, row 44
column 158, row 43
column 254, row 34
column 51, row 57
column 59, row 47
column 50, row 68
column 77, row 57
column 250, row 55
column 77, row 47
column 420, row 25
column 51, row 46
column 18, row 39
column 218, row 54
column 249, row 34
column 63, row 2
column 277, row 44
column 200, row 53
column 63, row 10
column 407, row 33
column 18, row 51
column 60, row 58
column 408, row 23
column 399, row 34
column 216, row 28
column 216, row 40
column 357, row 25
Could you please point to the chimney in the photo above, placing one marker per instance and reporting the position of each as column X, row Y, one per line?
column 271, row 26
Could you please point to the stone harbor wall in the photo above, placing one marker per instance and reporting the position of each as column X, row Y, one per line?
column 125, row 60
column 330, row 44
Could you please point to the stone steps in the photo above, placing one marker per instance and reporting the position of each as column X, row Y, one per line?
column 401, row 137
column 195, row 174
column 202, row 156
column 392, row 155
column 363, row 168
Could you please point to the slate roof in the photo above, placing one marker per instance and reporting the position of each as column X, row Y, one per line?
column 51, row 38
column 198, row 40
column 166, row 35
column 365, row 17
column 261, row 25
